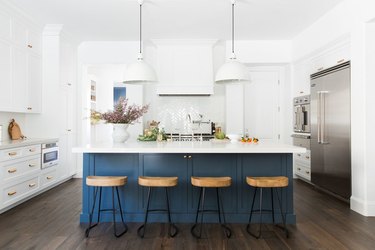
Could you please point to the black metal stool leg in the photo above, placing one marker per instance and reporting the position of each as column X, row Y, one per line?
column 199, row 210
column 169, row 218
column 141, row 230
column 273, row 210
column 282, row 215
column 220, row 209
column 91, row 214
column 251, row 211
column 114, row 213
column 121, row 215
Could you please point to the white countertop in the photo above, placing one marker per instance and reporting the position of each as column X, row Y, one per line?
column 188, row 147
column 25, row 142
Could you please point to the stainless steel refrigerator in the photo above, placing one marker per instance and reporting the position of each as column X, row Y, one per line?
column 330, row 130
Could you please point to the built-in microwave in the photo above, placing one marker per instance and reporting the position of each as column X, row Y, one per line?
column 50, row 154
column 301, row 114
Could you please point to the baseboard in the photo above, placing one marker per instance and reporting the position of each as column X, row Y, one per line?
column 365, row 208
column 78, row 175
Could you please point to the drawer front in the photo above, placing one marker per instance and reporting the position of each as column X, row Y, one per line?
column 49, row 178
column 303, row 172
column 303, row 157
column 11, row 194
column 19, row 168
column 32, row 150
column 11, row 154
column 16, row 153
column 301, row 142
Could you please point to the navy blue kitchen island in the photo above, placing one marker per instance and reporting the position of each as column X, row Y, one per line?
column 186, row 159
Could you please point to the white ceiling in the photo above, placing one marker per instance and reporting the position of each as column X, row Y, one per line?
column 118, row 19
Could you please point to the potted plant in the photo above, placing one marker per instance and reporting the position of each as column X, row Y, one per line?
column 121, row 117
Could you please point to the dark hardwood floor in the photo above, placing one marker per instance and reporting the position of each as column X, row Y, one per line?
column 51, row 221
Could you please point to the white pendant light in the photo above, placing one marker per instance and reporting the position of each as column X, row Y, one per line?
column 232, row 71
column 140, row 72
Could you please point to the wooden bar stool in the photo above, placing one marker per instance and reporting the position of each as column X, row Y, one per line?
column 157, row 182
column 98, row 182
column 210, row 182
column 266, row 182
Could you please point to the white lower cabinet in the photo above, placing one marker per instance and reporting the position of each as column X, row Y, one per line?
column 21, row 175
column 49, row 176
column 302, row 165
column 18, row 191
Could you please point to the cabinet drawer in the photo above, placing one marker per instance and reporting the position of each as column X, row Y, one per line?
column 301, row 142
column 15, row 153
column 304, row 157
column 20, row 167
column 303, row 172
column 12, row 193
column 49, row 177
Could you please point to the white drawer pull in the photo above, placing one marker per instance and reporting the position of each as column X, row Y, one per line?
column 49, row 177
column 12, row 193
column 12, row 170
column 32, row 165
column 12, row 153
column 32, row 185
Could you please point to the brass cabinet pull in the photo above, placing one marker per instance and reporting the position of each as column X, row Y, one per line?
column 307, row 172
column 49, row 177
column 299, row 155
column 185, row 156
column 189, row 156
column 29, row 108
column 12, row 193
column 32, row 150
column 340, row 61
column 32, row 165
column 12, row 153
column 299, row 169
column 32, row 185
column 12, row 170
column 30, row 46
column 307, row 157
column 69, row 130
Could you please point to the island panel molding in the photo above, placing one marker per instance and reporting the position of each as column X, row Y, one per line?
column 183, row 197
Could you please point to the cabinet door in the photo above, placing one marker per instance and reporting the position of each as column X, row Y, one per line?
column 5, row 24
column 19, row 33
column 19, row 90
column 34, row 84
column 34, row 41
column 167, row 165
column 6, row 79
column 301, row 78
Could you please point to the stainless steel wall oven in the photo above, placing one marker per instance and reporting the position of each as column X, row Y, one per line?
column 301, row 114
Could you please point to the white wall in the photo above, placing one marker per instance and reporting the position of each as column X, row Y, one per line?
column 5, row 118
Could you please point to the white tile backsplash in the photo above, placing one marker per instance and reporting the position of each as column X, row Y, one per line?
column 173, row 111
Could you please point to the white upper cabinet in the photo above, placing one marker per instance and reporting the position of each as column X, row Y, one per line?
column 301, row 77
column 26, row 37
column 20, row 65
column 6, row 76
column 5, row 26
column 185, row 67
column 330, row 58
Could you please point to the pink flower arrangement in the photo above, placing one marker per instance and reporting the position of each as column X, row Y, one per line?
column 124, row 113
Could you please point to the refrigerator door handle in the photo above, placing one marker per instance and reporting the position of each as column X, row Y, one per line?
column 322, row 117
column 319, row 116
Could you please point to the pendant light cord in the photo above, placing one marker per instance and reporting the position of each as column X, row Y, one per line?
column 233, row 28
column 140, row 29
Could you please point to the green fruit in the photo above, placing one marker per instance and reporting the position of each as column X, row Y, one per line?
column 220, row 135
